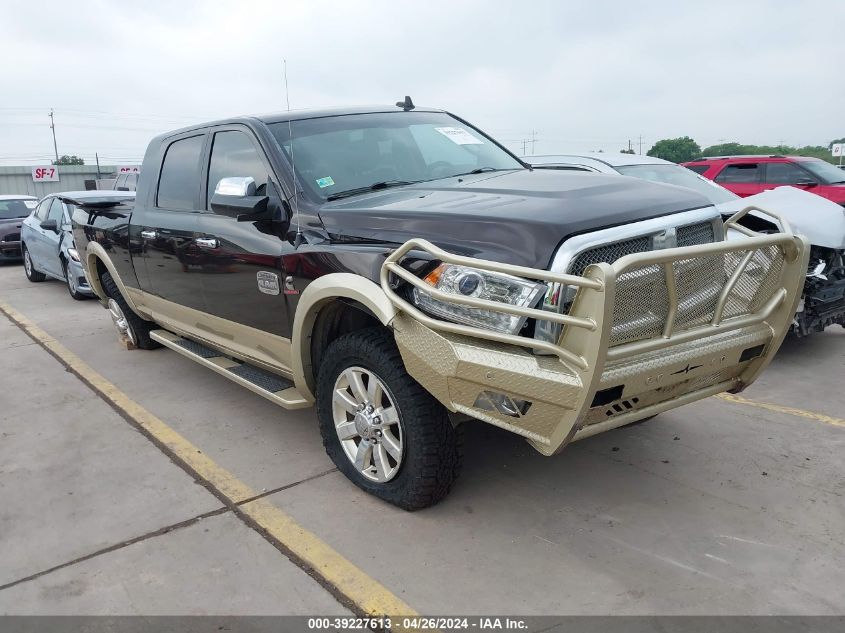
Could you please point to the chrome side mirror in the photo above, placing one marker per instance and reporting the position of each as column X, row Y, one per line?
column 239, row 186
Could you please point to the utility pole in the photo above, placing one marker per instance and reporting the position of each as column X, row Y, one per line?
column 630, row 149
column 525, row 142
column 53, row 128
column 533, row 140
column 97, row 158
column 641, row 144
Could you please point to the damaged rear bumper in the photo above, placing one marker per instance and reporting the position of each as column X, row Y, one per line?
column 648, row 333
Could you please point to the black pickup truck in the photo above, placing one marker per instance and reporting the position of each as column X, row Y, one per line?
column 405, row 272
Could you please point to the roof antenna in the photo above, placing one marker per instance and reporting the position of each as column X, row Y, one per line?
column 298, row 239
column 406, row 105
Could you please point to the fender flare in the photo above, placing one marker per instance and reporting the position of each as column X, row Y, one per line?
column 93, row 252
column 314, row 298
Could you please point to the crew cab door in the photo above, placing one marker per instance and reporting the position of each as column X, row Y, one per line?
column 744, row 179
column 242, row 270
column 166, row 224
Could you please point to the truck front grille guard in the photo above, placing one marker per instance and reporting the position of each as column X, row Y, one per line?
column 739, row 298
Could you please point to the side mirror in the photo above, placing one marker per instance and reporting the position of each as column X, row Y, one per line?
column 806, row 182
column 50, row 225
column 236, row 186
column 236, row 197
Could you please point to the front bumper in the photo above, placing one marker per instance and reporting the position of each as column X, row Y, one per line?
column 77, row 270
column 648, row 333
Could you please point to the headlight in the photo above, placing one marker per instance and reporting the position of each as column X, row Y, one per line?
column 471, row 282
column 74, row 254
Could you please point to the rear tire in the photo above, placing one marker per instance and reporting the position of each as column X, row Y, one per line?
column 29, row 268
column 71, row 285
column 127, row 322
column 411, row 453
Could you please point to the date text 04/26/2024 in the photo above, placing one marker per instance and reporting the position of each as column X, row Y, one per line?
column 420, row 623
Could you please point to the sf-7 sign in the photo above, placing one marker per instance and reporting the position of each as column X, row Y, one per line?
column 49, row 173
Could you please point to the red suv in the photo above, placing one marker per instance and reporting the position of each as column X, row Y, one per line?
column 747, row 175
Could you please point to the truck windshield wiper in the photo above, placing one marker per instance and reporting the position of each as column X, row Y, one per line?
column 376, row 186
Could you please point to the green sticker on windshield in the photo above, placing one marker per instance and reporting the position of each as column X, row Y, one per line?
column 325, row 182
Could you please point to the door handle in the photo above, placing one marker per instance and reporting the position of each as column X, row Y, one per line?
column 207, row 242
column 149, row 235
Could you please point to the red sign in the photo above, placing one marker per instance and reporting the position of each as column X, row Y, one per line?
column 50, row 173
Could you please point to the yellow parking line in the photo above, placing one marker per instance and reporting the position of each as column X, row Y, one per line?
column 801, row 413
column 367, row 594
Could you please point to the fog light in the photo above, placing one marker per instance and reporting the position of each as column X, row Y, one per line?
column 493, row 401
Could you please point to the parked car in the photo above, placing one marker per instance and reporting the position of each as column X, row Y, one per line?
column 405, row 272
column 750, row 175
column 820, row 220
column 47, row 240
column 13, row 209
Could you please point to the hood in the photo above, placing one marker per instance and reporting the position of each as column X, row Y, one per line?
column 818, row 219
column 517, row 217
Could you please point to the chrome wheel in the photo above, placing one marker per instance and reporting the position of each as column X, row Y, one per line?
column 120, row 321
column 27, row 263
column 72, row 284
column 368, row 424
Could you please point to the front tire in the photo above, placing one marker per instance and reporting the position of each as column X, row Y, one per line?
column 129, row 324
column 72, row 287
column 380, row 427
column 29, row 268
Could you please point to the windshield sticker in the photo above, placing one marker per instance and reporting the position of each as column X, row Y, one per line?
column 459, row 136
column 322, row 183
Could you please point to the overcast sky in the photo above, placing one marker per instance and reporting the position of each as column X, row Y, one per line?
column 584, row 75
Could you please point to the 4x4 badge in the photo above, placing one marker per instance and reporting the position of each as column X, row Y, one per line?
column 268, row 282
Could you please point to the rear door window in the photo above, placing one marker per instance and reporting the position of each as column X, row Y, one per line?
column 740, row 173
column 179, row 181
column 699, row 169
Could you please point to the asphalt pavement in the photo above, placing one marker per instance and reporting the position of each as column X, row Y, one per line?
column 720, row 507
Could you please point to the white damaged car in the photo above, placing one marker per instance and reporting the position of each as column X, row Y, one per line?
column 819, row 219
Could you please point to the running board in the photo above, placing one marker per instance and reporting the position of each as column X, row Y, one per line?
column 275, row 388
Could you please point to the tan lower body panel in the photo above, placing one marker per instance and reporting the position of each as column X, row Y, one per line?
column 458, row 369
column 267, row 351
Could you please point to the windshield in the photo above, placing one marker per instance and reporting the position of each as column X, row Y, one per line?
column 824, row 171
column 356, row 151
column 12, row 209
column 680, row 176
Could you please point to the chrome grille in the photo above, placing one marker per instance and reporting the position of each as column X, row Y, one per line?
column 609, row 253
column 696, row 234
column 690, row 235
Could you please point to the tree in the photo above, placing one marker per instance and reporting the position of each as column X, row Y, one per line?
column 69, row 160
column 677, row 150
column 626, row 151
